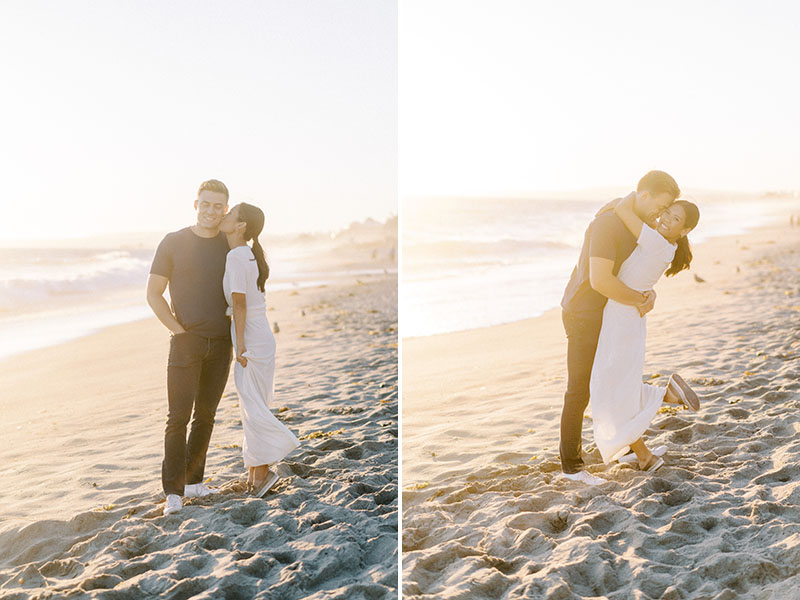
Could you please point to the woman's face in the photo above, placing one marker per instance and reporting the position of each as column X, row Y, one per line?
column 672, row 223
column 229, row 221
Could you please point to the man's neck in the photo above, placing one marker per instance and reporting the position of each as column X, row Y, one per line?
column 204, row 232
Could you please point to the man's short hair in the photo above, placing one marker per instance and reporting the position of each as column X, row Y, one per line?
column 214, row 185
column 659, row 182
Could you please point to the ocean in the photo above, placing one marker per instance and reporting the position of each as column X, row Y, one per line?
column 476, row 262
column 49, row 295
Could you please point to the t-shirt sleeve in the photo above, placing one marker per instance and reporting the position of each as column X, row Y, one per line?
column 602, row 239
column 162, row 260
column 236, row 273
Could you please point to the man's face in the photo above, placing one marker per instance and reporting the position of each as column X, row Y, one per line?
column 210, row 207
column 650, row 206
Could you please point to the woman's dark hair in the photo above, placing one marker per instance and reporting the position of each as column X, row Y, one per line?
column 683, row 253
column 253, row 217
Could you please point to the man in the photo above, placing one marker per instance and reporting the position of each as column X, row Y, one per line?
column 192, row 262
column 606, row 245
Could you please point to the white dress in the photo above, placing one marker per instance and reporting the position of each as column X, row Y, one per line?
column 623, row 406
column 266, row 439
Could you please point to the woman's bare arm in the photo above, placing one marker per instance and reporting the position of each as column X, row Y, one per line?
column 624, row 210
column 239, row 318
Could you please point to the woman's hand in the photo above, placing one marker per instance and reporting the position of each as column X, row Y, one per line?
column 240, row 357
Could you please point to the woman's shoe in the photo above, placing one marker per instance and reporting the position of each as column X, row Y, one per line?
column 630, row 457
column 681, row 390
column 272, row 479
column 654, row 464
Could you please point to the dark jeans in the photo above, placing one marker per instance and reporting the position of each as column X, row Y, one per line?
column 582, row 334
column 196, row 376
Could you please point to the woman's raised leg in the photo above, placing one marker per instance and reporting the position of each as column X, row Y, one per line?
column 647, row 460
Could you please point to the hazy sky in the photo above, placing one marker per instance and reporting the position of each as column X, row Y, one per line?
column 113, row 112
column 514, row 97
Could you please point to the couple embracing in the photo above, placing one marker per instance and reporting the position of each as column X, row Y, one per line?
column 213, row 275
column 628, row 246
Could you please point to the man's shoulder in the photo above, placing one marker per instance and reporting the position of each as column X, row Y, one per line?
column 607, row 219
column 174, row 238
column 607, row 223
column 180, row 233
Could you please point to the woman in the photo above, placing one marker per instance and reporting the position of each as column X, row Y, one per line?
column 622, row 406
column 266, row 440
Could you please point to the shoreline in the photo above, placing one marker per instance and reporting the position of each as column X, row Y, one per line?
column 778, row 217
column 130, row 312
column 481, row 419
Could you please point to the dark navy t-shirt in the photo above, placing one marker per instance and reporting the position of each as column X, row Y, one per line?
column 606, row 237
column 195, row 266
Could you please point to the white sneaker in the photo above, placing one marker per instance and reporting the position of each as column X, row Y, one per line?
column 196, row 490
column 173, row 504
column 584, row 477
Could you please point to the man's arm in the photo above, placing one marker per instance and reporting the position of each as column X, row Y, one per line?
column 603, row 281
column 612, row 204
column 156, row 286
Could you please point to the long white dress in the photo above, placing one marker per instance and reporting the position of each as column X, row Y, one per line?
column 266, row 439
column 623, row 406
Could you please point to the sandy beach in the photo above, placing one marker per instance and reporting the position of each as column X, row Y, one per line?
column 82, row 443
column 485, row 515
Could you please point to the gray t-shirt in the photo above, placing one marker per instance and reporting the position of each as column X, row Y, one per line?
column 606, row 237
column 195, row 266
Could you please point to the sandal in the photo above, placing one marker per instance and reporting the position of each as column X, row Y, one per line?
column 630, row 457
column 681, row 390
column 655, row 463
column 271, row 479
